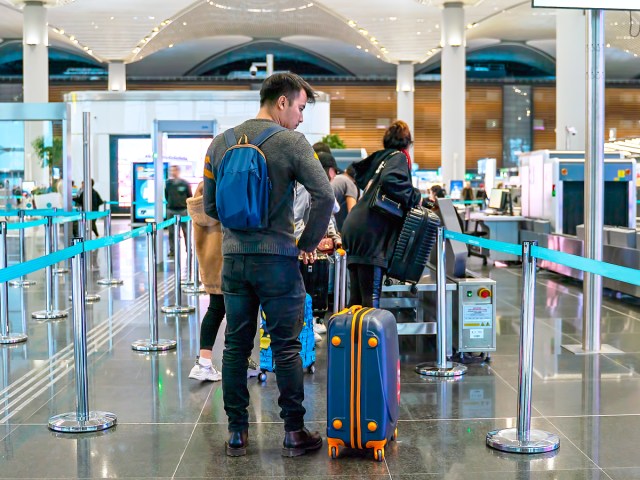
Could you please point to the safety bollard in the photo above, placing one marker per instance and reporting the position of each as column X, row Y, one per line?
column 153, row 343
column 340, row 281
column 51, row 312
column 197, row 288
column 6, row 337
column 441, row 367
column 82, row 420
column 522, row 439
column 110, row 280
column 177, row 308
column 187, row 282
column 22, row 281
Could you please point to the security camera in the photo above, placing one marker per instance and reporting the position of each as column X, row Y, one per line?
column 253, row 70
column 572, row 130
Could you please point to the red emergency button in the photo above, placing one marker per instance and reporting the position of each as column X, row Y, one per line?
column 484, row 293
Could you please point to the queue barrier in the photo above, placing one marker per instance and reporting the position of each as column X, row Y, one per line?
column 523, row 439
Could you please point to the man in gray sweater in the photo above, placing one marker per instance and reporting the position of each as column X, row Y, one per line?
column 261, row 267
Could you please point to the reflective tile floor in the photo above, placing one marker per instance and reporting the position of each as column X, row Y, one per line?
column 172, row 427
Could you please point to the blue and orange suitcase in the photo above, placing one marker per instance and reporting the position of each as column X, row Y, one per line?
column 306, row 337
column 363, row 383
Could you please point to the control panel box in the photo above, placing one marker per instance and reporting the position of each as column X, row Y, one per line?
column 475, row 302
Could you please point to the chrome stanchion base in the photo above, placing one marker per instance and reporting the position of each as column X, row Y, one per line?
column 70, row 423
column 194, row 290
column 160, row 346
column 12, row 338
column 111, row 282
column 177, row 309
column 49, row 314
column 22, row 283
column 60, row 271
column 432, row 369
column 507, row 441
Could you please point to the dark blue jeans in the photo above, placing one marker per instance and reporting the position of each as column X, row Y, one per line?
column 274, row 282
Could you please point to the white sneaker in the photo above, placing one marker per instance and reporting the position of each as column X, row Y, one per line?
column 317, row 337
column 253, row 369
column 318, row 327
column 205, row 374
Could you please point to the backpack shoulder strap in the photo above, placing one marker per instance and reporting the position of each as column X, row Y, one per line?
column 267, row 134
column 230, row 138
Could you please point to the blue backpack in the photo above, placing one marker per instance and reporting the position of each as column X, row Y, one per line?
column 242, row 184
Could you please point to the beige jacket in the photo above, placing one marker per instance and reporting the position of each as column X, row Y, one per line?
column 207, row 233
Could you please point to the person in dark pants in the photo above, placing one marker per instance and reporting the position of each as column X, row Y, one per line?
column 176, row 191
column 368, row 235
column 261, row 267
column 207, row 234
column 96, row 203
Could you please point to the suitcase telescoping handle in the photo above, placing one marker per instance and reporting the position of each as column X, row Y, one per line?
column 340, row 281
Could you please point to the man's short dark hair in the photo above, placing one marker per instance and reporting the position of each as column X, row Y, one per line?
column 287, row 84
column 321, row 147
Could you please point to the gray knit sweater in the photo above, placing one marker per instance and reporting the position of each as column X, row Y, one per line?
column 290, row 158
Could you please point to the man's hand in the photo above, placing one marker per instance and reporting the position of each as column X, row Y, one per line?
column 308, row 257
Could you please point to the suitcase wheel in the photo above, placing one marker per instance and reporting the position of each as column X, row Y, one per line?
column 311, row 369
column 379, row 454
column 333, row 452
column 262, row 378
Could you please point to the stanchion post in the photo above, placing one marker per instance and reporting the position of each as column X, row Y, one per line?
column 6, row 337
column 85, row 227
column 522, row 439
column 153, row 343
column 50, row 312
column 54, row 234
column 188, row 241
column 196, row 289
column 22, row 281
column 82, row 420
column 177, row 308
column 110, row 280
column 441, row 368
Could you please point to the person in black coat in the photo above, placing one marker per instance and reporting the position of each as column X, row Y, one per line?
column 369, row 236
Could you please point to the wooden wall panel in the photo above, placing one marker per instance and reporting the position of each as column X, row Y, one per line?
column 622, row 112
column 544, row 118
column 427, row 138
column 360, row 114
column 484, row 124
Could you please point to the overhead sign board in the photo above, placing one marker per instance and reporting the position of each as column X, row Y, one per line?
column 588, row 4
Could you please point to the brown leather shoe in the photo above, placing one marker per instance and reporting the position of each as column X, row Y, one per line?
column 236, row 446
column 300, row 442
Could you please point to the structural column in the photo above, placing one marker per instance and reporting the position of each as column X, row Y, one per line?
column 405, row 87
column 570, row 84
column 36, row 53
column 453, row 85
column 117, row 76
column 35, row 74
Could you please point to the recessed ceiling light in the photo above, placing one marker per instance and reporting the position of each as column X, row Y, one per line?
column 363, row 32
column 171, row 45
column 393, row 19
column 377, row 56
column 152, row 18
column 418, row 33
column 358, row 47
column 112, row 18
column 366, row 50
column 184, row 24
column 351, row 23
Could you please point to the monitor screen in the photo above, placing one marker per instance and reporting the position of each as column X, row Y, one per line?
column 495, row 200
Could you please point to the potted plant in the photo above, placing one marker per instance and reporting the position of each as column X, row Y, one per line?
column 334, row 141
column 50, row 155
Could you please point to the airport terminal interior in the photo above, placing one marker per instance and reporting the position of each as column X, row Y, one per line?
column 519, row 339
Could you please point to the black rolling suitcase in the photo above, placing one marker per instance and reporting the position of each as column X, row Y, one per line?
column 316, row 282
column 414, row 244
